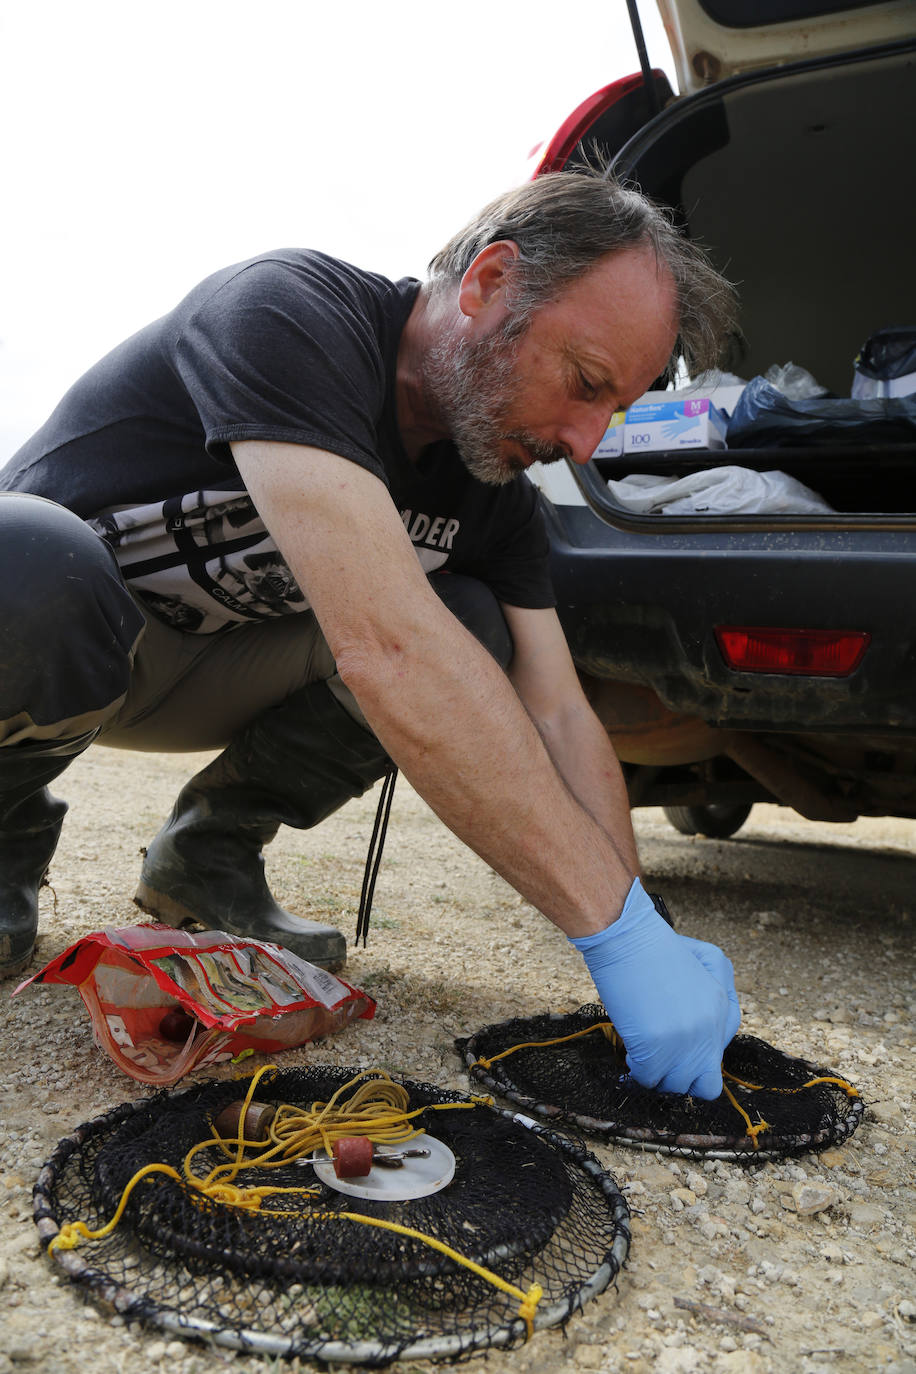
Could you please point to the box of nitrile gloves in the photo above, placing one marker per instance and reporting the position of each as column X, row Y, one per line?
column 693, row 422
column 611, row 445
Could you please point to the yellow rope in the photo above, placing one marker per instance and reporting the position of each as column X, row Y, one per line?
column 69, row 1235
column 607, row 1029
column 377, row 1107
column 750, row 1130
column 849, row 1090
column 249, row 1199
column 527, row 1301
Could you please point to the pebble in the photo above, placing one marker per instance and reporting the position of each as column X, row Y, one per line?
column 655, row 1175
column 739, row 1362
column 884, row 1111
column 812, row 1197
column 684, row 1359
column 866, row 1214
column 834, row 1159
column 24, row 1350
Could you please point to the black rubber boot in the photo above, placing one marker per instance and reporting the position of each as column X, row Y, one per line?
column 30, row 822
column 294, row 765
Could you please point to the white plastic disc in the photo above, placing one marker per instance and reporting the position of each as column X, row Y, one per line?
column 415, row 1178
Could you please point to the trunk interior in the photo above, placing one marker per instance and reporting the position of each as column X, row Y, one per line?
column 799, row 183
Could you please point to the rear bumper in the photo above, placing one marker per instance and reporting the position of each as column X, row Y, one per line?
column 642, row 607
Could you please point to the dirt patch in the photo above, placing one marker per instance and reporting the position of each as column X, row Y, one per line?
column 725, row 1274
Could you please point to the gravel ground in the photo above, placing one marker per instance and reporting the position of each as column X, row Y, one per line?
column 725, row 1273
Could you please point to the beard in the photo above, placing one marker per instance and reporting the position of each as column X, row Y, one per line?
column 472, row 386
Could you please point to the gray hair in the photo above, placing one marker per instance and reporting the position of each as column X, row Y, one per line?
column 563, row 223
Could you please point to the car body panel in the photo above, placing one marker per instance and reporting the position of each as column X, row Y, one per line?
column 712, row 40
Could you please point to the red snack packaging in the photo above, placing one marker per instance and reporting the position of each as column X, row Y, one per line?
column 164, row 1002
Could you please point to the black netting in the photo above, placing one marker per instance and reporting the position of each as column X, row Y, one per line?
column 584, row 1082
column 299, row 1278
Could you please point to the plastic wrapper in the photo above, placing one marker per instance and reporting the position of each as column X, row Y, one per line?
column 163, row 1001
column 718, row 491
column 765, row 418
column 793, row 381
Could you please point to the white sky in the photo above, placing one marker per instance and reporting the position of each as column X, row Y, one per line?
column 148, row 144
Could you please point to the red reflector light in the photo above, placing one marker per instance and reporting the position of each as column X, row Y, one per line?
column 814, row 653
column 554, row 156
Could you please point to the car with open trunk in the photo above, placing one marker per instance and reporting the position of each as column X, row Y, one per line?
column 745, row 657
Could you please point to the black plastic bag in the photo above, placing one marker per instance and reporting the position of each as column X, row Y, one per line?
column 765, row 418
column 888, row 357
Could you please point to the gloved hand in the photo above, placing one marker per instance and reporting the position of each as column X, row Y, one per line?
column 671, row 999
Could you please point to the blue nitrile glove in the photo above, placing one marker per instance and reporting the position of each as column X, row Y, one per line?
column 671, row 999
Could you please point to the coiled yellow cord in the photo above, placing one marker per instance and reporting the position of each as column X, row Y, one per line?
column 377, row 1109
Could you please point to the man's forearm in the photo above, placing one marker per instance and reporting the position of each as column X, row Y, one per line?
column 451, row 721
column 584, row 757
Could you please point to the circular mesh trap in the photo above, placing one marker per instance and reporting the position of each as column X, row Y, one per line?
column 299, row 1277
column 774, row 1105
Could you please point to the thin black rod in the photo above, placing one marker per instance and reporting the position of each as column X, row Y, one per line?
column 640, row 41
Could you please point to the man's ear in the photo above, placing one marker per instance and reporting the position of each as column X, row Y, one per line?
column 483, row 285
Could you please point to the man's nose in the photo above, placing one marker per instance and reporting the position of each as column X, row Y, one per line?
column 582, row 434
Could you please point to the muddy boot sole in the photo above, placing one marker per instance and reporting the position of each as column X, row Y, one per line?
column 11, row 967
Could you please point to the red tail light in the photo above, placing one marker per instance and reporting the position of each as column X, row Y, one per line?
column 814, row 653
column 552, row 157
